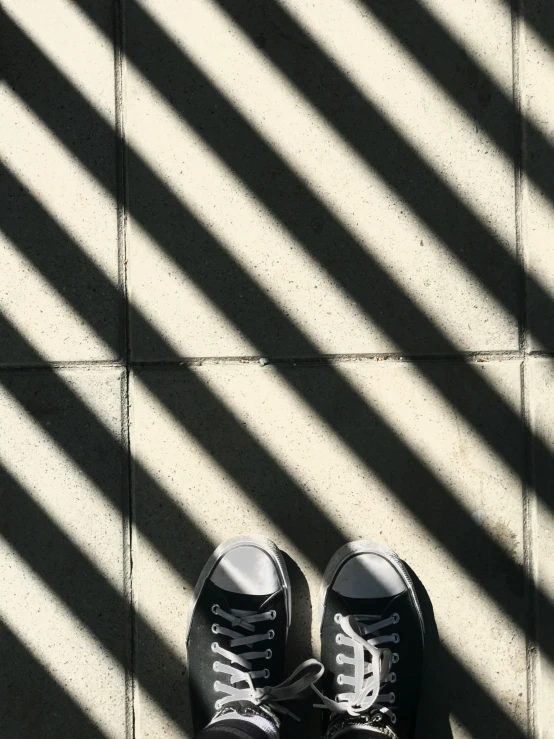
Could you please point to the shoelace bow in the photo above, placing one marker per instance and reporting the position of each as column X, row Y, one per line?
column 271, row 695
column 368, row 676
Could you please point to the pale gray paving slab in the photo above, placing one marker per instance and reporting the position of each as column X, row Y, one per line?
column 237, row 451
column 258, row 199
column 58, row 247
column 541, row 389
column 537, row 64
column 64, row 606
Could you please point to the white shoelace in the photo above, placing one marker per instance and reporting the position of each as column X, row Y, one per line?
column 368, row 676
column 305, row 674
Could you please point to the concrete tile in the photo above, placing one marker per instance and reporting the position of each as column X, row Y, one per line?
column 63, row 609
column 59, row 225
column 322, row 192
column 541, row 385
column 238, row 450
column 538, row 214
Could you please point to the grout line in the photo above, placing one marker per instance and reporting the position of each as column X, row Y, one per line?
column 322, row 359
column 75, row 365
column 518, row 160
column 122, row 210
column 529, row 558
column 528, row 494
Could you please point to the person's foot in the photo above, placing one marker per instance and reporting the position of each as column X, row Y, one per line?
column 371, row 643
column 236, row 635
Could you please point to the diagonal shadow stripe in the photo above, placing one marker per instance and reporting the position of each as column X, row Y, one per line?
column 380, row 144
column 164, row 217
column 227, row 432
column 379, row 447
column 170, row 224
column 71, row 575
column 167, row 197
column 33, row 211
column 215, row 120
column 467, row 83
column 85, row 591
column 53, row 714
column 539, row 15
column 397, row 162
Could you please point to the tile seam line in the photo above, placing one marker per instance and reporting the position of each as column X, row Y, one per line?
column 118, row 10
column 316, row 360
column 335, row 358
column 528, row 495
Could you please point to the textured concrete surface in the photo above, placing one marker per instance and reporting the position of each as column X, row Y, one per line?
column 538, row 213
column 276, row 177
column 542, row 414
column 64, row 608
column 268, row 463
column 59, row 230
column 345, row 190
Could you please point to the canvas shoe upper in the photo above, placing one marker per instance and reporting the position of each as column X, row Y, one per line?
column 371, row 643
column 237, row 632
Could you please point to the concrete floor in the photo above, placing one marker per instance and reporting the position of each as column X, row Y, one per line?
column 360, row 194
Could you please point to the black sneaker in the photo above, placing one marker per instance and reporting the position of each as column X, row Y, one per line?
column 236, row 635
column 371, row 625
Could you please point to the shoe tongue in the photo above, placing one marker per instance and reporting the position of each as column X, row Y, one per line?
column 246, row 602
column 380, row 607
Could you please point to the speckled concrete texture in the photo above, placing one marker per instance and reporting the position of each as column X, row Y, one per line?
column 537, row 61
column 238, row 450
column 58, row 246
column 280, row 268
column 541, row 389
column 305, row 185
column 64, row 606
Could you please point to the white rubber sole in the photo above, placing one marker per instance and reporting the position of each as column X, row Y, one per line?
column 238, row 541
column 366, row 547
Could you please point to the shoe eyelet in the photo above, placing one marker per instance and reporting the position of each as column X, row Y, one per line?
column 215, row 629
column 392, row 698
column 216, row 666
column 337, row 618
column 271, row 634
column 392, row 677
column 273, row 615
column 215, row 646
column 267, row 673
column 217, row 705
column 339, row 659
column 395, row 657
column 395, row 618
column 395, row 638
column 215, row 609
column 338, row 638
column 392, row 717
column 339, row 679
column 268, row 654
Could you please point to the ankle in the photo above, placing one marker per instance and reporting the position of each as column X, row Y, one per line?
column 242, row 723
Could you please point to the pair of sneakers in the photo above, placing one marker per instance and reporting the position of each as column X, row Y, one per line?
column 371, row 629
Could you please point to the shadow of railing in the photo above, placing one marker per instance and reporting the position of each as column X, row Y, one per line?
column 182, row 544
column 164, row 211
column 394, row 463
column 180, row 541
column 213, row 269
column 89, row 596
column 379, row 447
column 53, row 714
